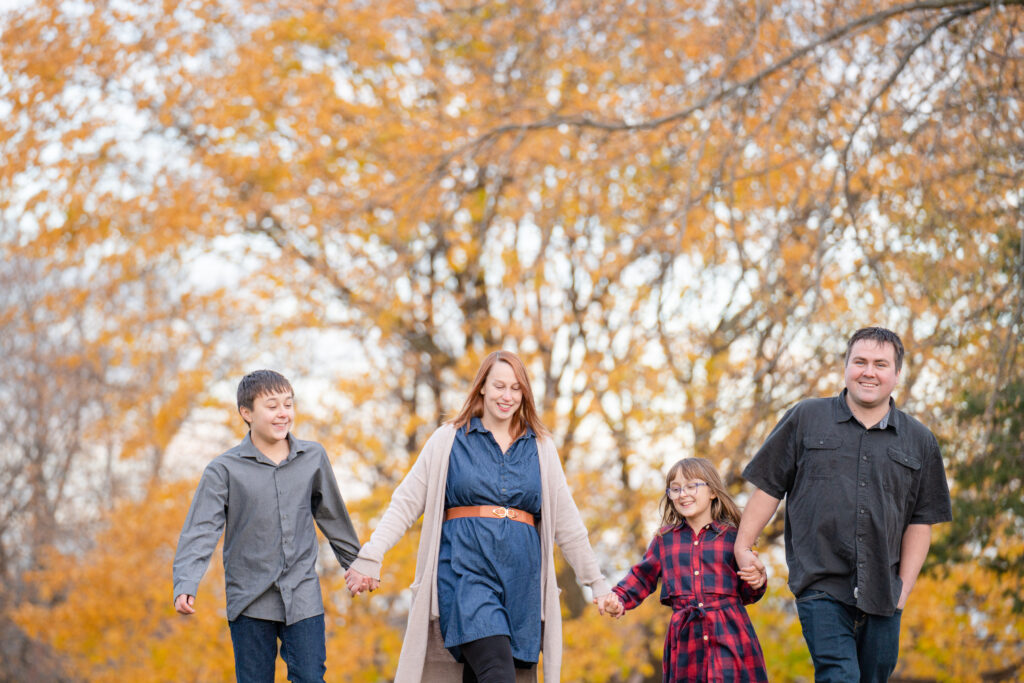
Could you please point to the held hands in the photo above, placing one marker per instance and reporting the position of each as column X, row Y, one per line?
column 357, row 583
column 610, row 604
column 751, row 568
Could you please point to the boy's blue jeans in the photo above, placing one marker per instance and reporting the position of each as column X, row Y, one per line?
column 303, row 649
column 846, row 644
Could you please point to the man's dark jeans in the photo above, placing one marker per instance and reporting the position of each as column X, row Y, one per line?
column 847, row 645
column 303, row 649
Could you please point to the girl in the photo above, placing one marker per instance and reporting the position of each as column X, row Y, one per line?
column 710, row 637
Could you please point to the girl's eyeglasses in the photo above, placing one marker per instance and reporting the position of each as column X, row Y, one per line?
column 690, row 489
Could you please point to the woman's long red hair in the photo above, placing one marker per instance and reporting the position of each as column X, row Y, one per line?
column 525, row 417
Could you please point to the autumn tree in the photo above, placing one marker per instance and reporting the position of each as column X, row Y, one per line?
column 677, row 212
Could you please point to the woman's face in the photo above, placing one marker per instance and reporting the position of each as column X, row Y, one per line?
column 502, row 395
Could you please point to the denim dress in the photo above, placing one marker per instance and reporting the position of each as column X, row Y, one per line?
column 488, row 571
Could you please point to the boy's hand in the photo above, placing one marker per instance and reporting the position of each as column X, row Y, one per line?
column 184, row 604
column 357, row 583
column 610, row 604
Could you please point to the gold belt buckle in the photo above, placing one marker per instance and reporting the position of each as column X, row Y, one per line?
column 501, row 512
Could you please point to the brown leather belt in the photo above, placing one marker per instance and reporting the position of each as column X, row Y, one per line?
column 492, row 511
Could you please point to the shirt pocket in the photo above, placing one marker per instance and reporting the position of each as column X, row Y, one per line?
column 821, row 454
column 900, row 473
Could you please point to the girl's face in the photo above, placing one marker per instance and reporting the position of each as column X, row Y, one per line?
column 692, row 499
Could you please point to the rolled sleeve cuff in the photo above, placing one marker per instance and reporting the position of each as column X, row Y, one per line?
column 600, row 587
column 185, row 588
column 764, row 485
column 366, row 567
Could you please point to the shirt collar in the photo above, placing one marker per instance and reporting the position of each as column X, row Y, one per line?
column 716, row 527
column 247, row 449
column 477, row 425
column 843, row 413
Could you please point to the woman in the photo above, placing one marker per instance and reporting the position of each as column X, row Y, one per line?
column 494, row 501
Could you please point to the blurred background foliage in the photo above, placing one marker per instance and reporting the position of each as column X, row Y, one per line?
column 676, row 212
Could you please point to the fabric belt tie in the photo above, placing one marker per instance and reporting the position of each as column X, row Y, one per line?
column 687, row 609
column 687, row 613
column 490, row 511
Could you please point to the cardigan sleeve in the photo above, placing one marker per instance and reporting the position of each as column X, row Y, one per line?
column 571, row 534
column 407, row 504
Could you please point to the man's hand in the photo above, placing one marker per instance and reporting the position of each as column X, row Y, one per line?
column 184, row 604
column 754, row 572
column 751, row 568
column 904, row 594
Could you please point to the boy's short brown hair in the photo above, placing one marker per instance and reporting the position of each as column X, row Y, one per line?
column 258, row 383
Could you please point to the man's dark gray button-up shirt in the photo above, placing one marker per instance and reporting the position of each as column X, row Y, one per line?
column 850, row 494
column 266, row 511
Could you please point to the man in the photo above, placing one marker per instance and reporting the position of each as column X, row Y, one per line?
column 863, row 482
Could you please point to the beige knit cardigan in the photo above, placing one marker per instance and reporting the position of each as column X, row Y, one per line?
column 423, row 656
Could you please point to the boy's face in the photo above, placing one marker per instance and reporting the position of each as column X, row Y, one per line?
column 271, row 417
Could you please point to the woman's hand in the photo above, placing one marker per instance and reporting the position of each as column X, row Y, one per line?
column 357, row 583
column 610, row 604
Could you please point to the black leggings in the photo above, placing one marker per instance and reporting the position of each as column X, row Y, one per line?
column 488, row 660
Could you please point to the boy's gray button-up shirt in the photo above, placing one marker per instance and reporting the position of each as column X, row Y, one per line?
column 266, row 512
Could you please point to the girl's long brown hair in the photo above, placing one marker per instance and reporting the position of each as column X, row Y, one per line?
column 525, row 416
column 723, row 508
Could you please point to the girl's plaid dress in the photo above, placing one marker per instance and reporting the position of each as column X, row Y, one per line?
column 710, row 637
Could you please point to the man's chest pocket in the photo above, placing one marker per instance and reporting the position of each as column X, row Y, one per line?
column 900, row 471
column 821, row 455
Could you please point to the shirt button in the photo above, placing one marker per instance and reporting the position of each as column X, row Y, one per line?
column 696, row 572
column 705, row 637
column 863, row 483
column 696, row 542
column 700, row 604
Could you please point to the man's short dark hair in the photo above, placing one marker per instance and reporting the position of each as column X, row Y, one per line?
column 879, row 335
column 258, row 383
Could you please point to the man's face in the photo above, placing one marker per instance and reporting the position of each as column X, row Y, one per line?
column 871, row 373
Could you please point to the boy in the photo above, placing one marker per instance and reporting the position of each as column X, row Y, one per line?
column 265, row 493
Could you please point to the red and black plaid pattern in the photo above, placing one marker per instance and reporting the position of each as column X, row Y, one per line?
column 710, row 637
